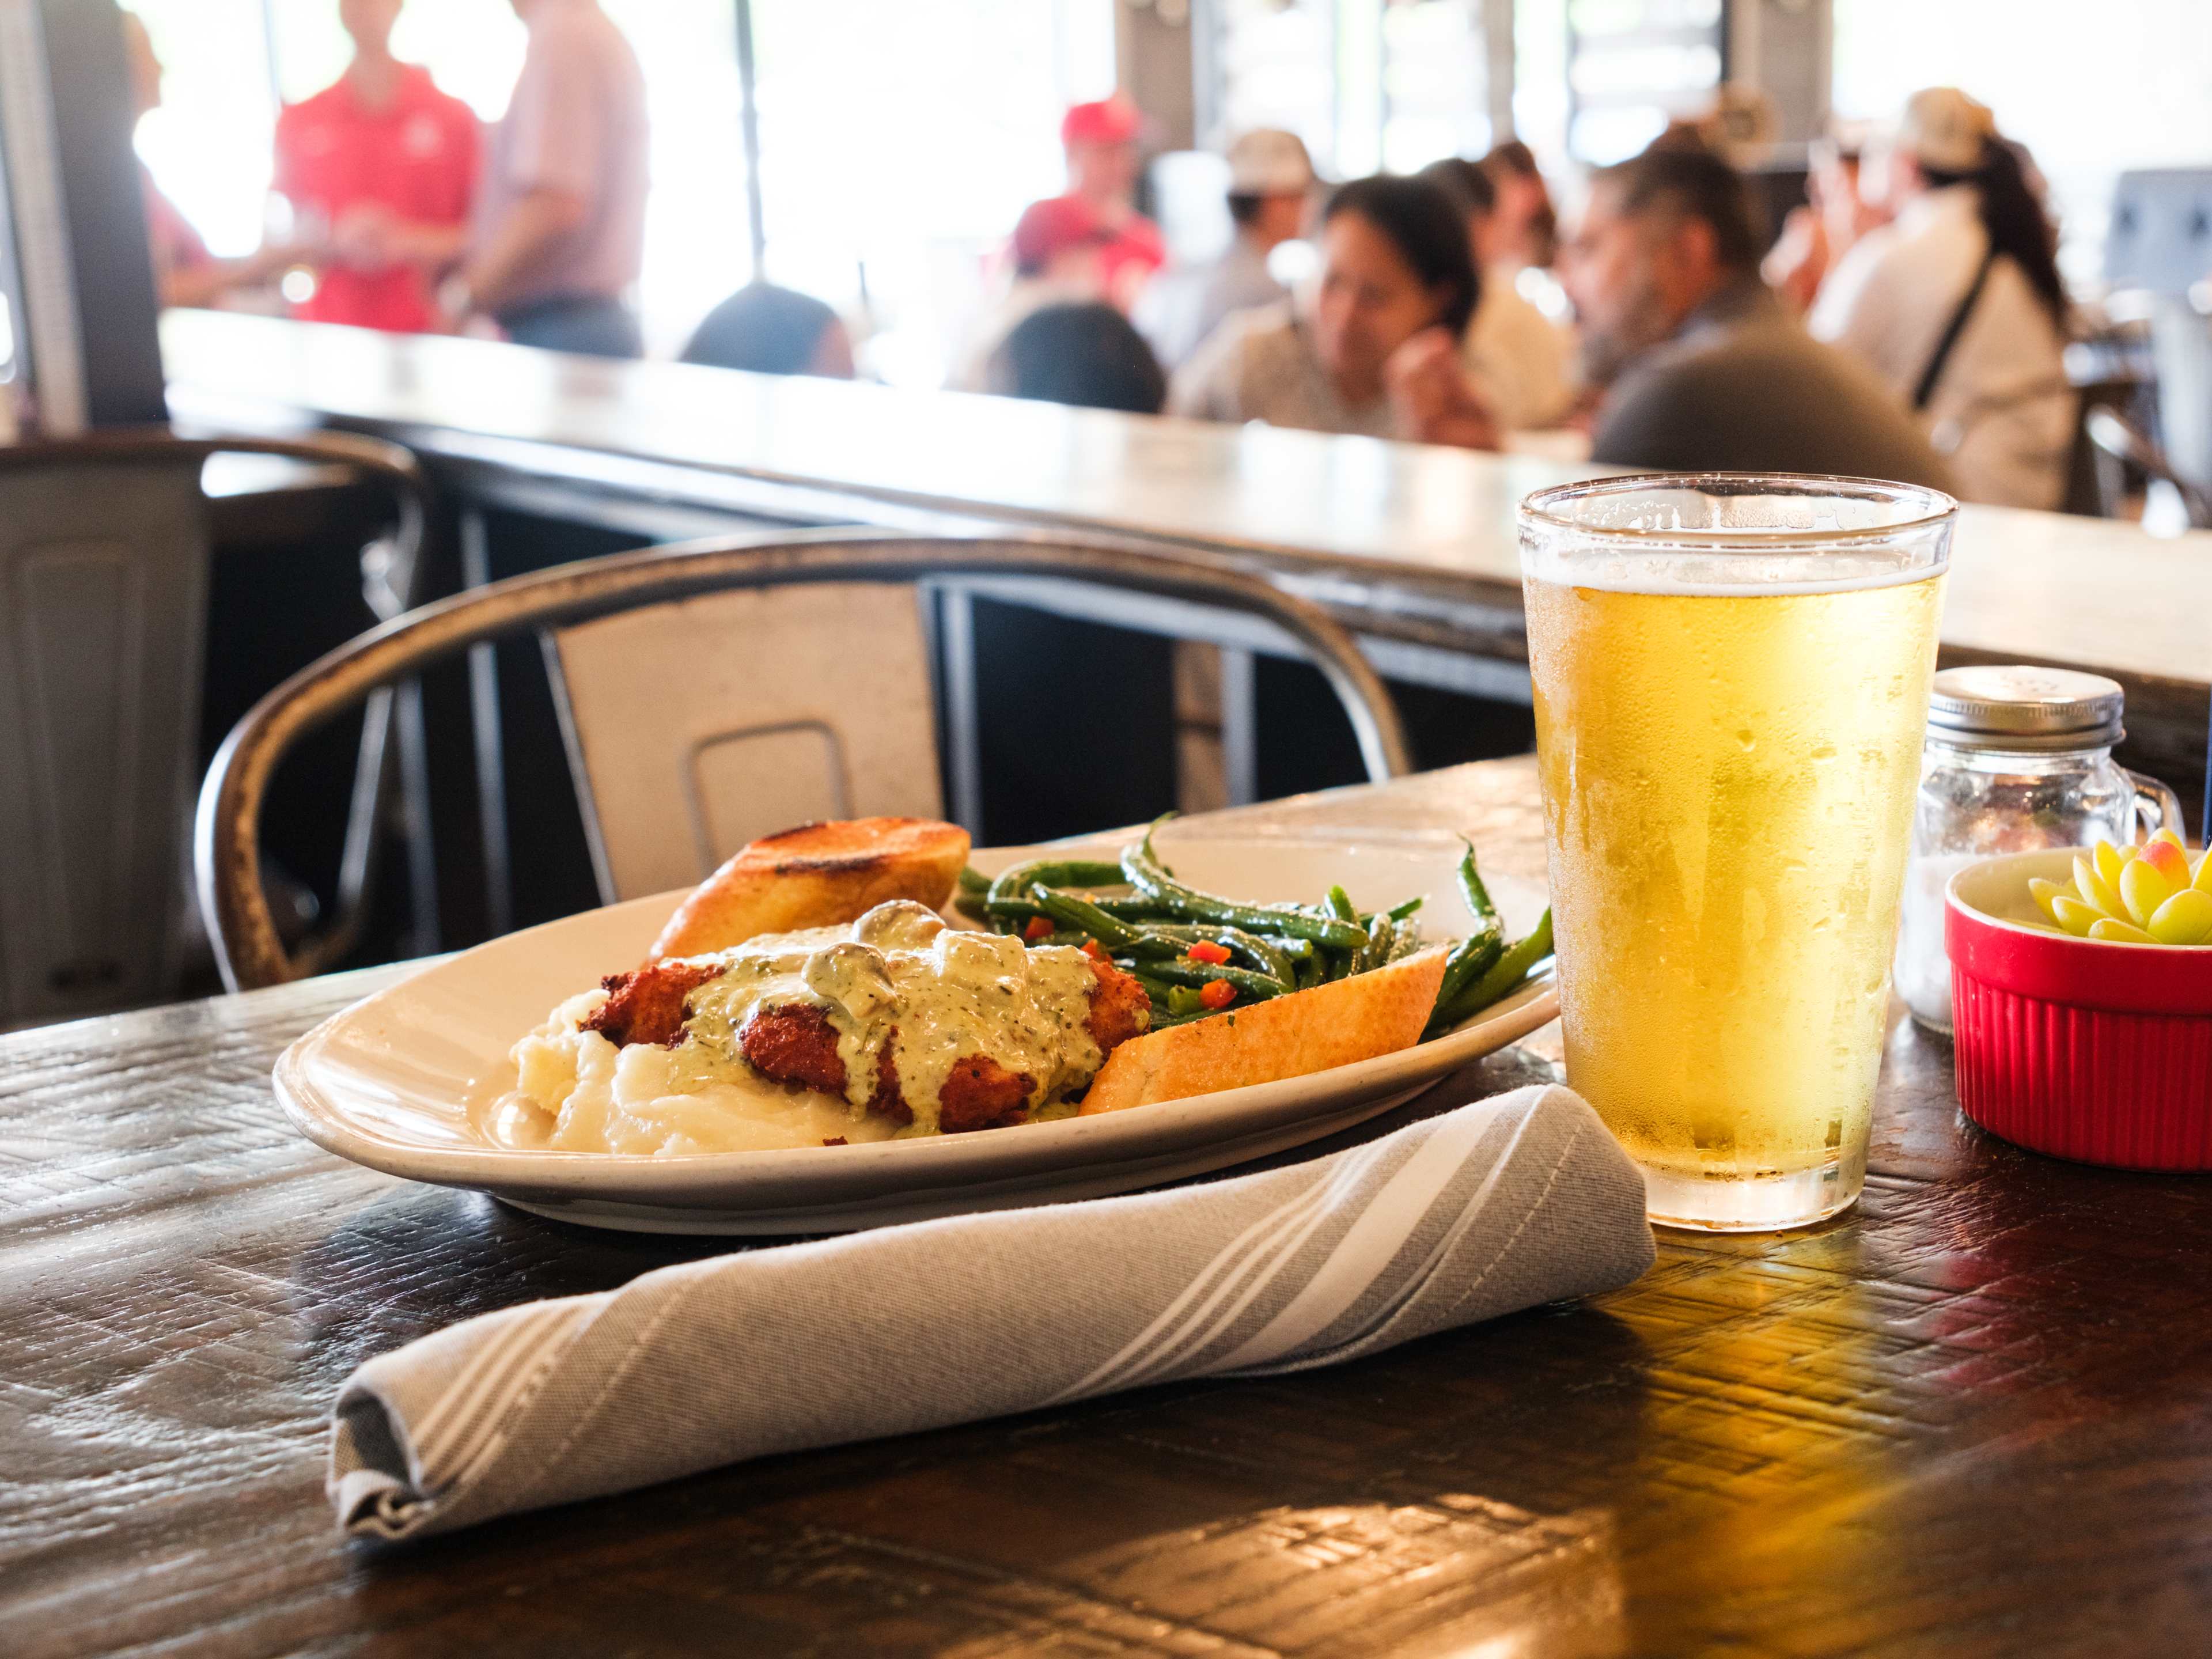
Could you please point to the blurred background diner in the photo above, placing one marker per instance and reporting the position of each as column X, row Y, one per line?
column 1485, row 243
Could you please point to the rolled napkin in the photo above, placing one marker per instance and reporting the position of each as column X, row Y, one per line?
column 1494, row 1206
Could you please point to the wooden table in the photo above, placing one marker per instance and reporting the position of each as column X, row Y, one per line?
column 1972, row 1418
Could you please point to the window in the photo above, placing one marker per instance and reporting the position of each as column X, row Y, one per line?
column 1367, row 84
column 2092, row 92
column 900, row 138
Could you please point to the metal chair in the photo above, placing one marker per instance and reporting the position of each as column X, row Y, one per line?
column 574, row 597
column 2117, row 447
column 104, row 551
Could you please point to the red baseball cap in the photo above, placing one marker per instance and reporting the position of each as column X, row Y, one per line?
column 1056, row 225
column 1110, row 121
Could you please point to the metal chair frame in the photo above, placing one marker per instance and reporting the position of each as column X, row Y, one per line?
column 226, row 839
column 391, row 573
column 2116, row 444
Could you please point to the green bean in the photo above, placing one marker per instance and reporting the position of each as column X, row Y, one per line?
column 1471, row 890
column 1475, row 955
column 1157, row 989
column 1502, row 975
column 1182, row 1000
column 1380, row 932
column 1401, row 911
column 1146, row 873
column 971, row 906
column 1015, row 881
column 973, row 881
column 1265, row 954
column 1312, row 971
column 1339, row 905
column 1090, row 921
column 1169, row 1022
column 1469, row 959
column 1203, row 973
column 1081, row 912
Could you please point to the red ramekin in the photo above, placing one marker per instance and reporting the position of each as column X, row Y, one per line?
column 2087, row 1050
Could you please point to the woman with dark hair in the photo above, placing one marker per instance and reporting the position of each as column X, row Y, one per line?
column 1375, row 348
column 1522, row 360
column 1959, row 305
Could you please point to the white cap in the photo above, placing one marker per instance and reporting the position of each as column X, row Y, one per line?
column 1268, row 162
column 1943, row 129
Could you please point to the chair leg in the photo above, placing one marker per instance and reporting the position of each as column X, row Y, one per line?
column 372, row 774
column 963, row 751
column 415, row 794
column 490, row 745
column 1240, row 725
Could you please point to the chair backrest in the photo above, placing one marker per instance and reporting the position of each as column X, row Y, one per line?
column 227, row 841
column 782, row 719
column 103, row 601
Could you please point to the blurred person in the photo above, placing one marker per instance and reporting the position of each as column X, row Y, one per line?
column 1528, row 223
column 1088, row 355
column 1835, row 216
column 387, row 164
column 1376, row 350
column 185, row 272
column 1521, row 359
column 766, row 329
column 1704, row 369
column 1059, row 254
column 1959, row 306
column 558, row 231
column 1739, row 125
column 1271, row 182
column 1100, row 142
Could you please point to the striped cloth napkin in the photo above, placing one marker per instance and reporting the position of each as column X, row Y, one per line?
column 1490, row 1207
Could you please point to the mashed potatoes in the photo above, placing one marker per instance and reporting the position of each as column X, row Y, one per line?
column 899, row 1008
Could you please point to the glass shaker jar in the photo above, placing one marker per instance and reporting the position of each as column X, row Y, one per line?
column 2016, row 759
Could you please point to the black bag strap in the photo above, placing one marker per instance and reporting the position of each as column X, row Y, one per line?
column 1952, row 330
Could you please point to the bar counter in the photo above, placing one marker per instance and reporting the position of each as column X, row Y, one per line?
column 1412, row 545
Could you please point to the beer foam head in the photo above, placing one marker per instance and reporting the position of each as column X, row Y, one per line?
column 1730, row 534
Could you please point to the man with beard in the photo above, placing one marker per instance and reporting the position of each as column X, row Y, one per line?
column 1704, row 369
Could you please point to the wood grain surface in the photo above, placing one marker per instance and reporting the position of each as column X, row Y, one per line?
column 1973, row 1418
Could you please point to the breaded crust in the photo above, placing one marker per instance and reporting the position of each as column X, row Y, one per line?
column 816, row 876
column 1119, row 1008
column 793, row 1043
column 646, row 1004
column 979, row 1093
column 1334, row 1024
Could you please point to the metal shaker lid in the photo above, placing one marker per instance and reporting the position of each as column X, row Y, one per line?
column 2025, row 708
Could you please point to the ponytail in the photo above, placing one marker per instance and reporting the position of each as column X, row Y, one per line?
column 2015, row 219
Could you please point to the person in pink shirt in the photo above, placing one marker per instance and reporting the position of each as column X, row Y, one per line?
column 559, row 229
column 1100, row 140
column 387, row 163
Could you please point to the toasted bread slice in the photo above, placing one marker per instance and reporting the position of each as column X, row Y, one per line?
column 1334, row 1024
column 816, row 876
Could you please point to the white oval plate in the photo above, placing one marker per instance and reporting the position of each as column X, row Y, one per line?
column 400, row 1080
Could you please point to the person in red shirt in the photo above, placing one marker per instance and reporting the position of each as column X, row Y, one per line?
column 1100, row 140
column 384, row 165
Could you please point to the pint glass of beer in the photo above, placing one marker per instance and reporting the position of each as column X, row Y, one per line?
column 1731, row 679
